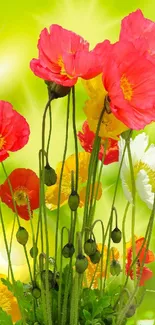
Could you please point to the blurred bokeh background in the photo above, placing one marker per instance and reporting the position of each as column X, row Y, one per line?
column 20, row 26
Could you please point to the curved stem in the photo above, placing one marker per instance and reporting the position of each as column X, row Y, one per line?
column 75, row 138
column 124, row 240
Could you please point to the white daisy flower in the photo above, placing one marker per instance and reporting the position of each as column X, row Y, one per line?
column 143, row 159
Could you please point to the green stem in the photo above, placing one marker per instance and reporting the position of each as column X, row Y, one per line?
column 60, row 182
column 124, row 239
column 11, row 269
column 18, row 220
column 133, row 207
column 12, row 233
column 50, row 127
column 75, row 138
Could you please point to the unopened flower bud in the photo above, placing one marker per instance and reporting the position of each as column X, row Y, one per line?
column 81, row 263
column 131, row 311
column 115, row 268
column 36, row 292
column 116, row 235
column 22, row 236
column 34, row 251
column 50, row 176
column 95, row 258
column 68, row 250
column 50, row 275
column 73, row 201
column 90, row 247
column 57, row 90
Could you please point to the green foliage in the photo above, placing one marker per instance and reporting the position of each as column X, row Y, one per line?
column 5, row 319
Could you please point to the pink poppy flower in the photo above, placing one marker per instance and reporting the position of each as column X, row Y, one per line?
column 87, row 139
column 14, row 130
column 129, row 79
column 64, row 56
column 141, row 32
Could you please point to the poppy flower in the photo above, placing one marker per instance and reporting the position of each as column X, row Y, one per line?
column 110, row 127
column 143, row 166
column 114, row 254
column 130, row 86
column 149, row 257
column 141, row 32
column 14, row 130
column 64, row 56
column 87, row 139
column 8, row 302
column 25, row 186
column 51, row 195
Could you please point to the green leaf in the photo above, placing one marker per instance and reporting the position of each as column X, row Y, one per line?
column 98, row 307
column 5, row 319
column 86, row 314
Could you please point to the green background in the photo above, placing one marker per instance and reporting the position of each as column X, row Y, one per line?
column 20, row 26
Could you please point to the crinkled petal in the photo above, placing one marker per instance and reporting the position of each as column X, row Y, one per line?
column 144, row 189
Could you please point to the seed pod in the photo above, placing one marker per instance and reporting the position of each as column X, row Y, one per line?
column 95, row 258
column 50, row 176
column 115, row 268
column 68, row 250
column 116, row 235
column 73, row 201
column 22, row 236
column 36, row 292
column 34, row 251
column 57, row 90
column 90, row 247
column 81, row 263
column 131, row 311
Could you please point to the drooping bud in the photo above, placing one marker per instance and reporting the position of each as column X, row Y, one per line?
column 50, row 176
column 22, row 236
column 68, row 250
column 115, row 268
column 95, row 258
column 73, row 201
column 131, row 311
column 57, row 90
column 81, row 263
column 90, row 247
column 34, row 251
column 116, row 235
column 36, row 292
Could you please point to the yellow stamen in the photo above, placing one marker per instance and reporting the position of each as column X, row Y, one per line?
column 2, row 142
column 126, row 87
column 20, row 197
column 63, row 71
column 151, row 173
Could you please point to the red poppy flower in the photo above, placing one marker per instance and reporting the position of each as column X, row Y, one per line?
column 149, row 257
column 87, row 139
column 141, row 32
column 25, row 185
column 130, row 86
column 64, row 56
column 14, row 130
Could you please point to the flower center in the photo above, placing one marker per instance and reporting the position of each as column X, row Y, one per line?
column 20, row 197
column 63, row 71
column 2, row 142
column 126, row 87
column 151, row 173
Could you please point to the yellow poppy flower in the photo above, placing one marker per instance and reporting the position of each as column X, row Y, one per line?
column 110, row 127
column 8, row 302
column 114, row 253
column 51, row 196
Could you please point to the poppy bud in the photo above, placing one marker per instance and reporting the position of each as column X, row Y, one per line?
column 115, row 268
column 126, row 134
column 131, row 311
column 36, row 292
column 57, row 90
column 50, row 176
column 68, row 250
column 81, row 263
column 95, row 258
column 34, row 251
column 73, row 201
column 50, row 275
column 116, row 235
column 22, row 236
column 90, row 247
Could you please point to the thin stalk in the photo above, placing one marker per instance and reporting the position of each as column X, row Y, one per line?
column 75, row 139
column 124, row 239
column 12, row 233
